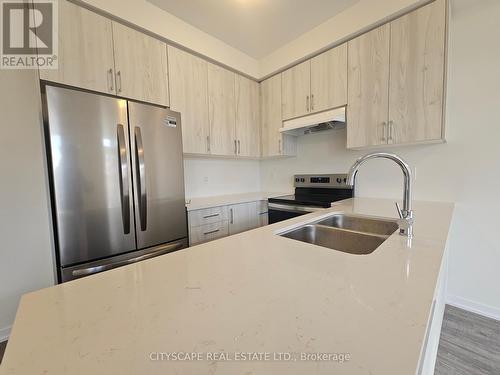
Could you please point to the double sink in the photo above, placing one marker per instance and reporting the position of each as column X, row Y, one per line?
column 348, row 233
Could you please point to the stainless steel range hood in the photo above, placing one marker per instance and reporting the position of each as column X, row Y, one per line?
column 327, row 120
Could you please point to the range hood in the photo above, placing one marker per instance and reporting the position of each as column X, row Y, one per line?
column 327, row 120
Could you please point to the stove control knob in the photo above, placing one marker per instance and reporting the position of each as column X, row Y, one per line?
column 345, row 180
column 339, row 180
column 302, row 180
column 297, row 179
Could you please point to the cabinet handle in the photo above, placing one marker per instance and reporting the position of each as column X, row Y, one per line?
column 232, row 215
column 235, row 147
column 119, row 81
column 391, row 129
column 312, row 102
column 110, row 79
column 384, row 131
column 307, row 103
column 239, row 147
column 211, row 232
column 279, row 147
column 208, row 216
column 208, row 143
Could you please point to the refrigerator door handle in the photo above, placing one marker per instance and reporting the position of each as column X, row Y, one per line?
column 157, row 251
column 124, row 177
column 141, row 180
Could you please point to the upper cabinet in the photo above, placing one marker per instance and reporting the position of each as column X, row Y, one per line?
column 368, row 88
column 247, row 117
column 85, row 50
column 329, row 79
column 221, row 111
column 315, row 85
column 296, row 90
column 188, row 76
column 396, row 80
column 141, row 65
column 274, row 143
column 98, row 54
column 417, row 75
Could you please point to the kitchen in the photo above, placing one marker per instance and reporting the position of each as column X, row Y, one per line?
column 237, row 159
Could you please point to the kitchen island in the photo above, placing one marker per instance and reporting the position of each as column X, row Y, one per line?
column 252, row 303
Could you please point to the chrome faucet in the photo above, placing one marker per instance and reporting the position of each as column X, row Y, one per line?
column 405, row 221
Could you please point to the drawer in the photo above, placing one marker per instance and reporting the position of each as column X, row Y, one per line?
column 208, row 232
column 207, row 216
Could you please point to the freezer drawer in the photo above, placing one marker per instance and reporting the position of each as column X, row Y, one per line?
column 75, row 272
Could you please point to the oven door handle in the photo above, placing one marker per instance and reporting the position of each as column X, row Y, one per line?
column 293, row 208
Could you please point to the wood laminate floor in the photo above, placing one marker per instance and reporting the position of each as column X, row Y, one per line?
column 469, row 344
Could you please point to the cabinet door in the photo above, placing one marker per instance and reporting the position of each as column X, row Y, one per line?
column 417, row 75
column 271, row 121
column 221, row 110
column 188, row 95
column 368, row 88
column 243, row 217
column 141, row 66
column 85, row 50
column 329, row 79
column 296, row 85
column 247, row 116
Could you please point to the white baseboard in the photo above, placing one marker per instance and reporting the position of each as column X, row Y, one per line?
column 475, row 307
column 5, row 333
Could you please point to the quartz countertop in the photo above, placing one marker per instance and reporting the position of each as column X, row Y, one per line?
column 224, row 200
column 254, row 292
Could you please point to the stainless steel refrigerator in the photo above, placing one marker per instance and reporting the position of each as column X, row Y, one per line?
column 117, row 180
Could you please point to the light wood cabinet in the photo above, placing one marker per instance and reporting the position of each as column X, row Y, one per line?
column 243, row 217
column 207, row 216
column 141, row 65
column 215, row 222
column 188, row 95
column 85, row 57
column 247, row 117
column 396, row 80
column 208, row 232
column 274, row 143
column 221, row 110
column 416, row 91
column 368, row 88
column 329, row 79
column 296, row 86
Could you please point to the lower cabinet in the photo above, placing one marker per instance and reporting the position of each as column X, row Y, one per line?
column 208, row 232
column 217, row 222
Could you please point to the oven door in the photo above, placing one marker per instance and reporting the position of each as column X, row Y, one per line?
column 282, row 211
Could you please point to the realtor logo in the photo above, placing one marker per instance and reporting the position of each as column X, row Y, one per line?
column 29, row 34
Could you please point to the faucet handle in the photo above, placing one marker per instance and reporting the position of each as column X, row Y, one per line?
column 400, row 212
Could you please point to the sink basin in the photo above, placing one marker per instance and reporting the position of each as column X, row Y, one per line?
column 361, row 224
column 346, row 233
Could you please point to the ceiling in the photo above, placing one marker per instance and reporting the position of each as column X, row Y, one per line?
column 255, row 27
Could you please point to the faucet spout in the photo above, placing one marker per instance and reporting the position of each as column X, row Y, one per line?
column 406, row 214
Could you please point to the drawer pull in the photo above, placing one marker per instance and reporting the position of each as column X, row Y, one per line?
column 213, row 215
column 211, row 232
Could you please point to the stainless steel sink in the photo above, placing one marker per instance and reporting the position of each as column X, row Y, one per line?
column 361, row 224
column 347, row 233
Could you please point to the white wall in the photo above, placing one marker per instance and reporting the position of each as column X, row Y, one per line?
column 25, row 247
column 208, row 177
column 465, row 170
